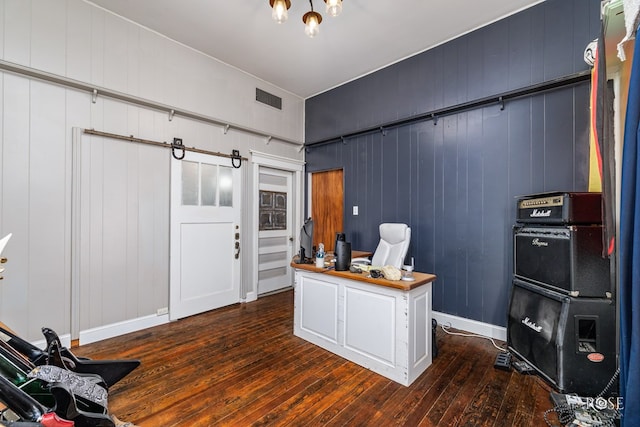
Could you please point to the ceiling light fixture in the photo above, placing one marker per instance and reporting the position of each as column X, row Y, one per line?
column 280, row 8
column 334, row 7
column 311, row 19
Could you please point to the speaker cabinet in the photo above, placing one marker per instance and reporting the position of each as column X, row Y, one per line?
column 569, row 341
column 567, row 259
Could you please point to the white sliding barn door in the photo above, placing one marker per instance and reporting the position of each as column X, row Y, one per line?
column 205, row 234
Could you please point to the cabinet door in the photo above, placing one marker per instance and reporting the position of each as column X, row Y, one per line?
column 370, row 324
column 318, row 307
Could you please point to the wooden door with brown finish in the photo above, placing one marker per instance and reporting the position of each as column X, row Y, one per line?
column 327, row 206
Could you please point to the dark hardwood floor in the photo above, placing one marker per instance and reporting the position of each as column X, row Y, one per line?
column 242, row 365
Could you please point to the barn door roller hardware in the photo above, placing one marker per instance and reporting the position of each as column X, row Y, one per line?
column 235, row 156
column 177, row 144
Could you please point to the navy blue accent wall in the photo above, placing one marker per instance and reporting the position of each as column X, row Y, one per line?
column 454, row 181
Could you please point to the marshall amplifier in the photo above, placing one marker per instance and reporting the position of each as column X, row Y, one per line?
column 561, row 208
column 564, row 258
column 571, row 342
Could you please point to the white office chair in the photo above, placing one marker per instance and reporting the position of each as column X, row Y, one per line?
column 393, row 246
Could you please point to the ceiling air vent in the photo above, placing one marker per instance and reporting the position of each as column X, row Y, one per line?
column 269, row 99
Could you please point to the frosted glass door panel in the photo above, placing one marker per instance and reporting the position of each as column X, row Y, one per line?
column 209, row 184
column 226, row 186
column 204, row 184
column 190, row 183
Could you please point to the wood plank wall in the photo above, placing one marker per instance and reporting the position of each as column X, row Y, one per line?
column 76, row 40
column 454, row 180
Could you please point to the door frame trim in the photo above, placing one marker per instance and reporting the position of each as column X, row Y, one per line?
column 260, row 159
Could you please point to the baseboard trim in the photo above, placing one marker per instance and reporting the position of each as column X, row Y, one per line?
column 473, row 326
column 251, row 296
column 116, row 329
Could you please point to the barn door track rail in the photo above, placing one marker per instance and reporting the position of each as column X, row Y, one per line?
column 176, row 145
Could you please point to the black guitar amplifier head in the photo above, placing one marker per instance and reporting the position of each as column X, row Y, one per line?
column 560, row 208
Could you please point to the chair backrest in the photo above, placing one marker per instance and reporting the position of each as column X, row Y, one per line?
column 393, row 246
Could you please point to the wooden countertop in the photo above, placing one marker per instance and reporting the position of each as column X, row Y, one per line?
column 420, row 278
column 327, row 261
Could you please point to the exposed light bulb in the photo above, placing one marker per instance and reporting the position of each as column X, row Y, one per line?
column 334, row 7
column 280, row 11
column 312, row 22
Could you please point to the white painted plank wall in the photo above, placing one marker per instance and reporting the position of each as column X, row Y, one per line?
column 125, row 220
column 77, row 40
column 15, row 198
column 48, row 190
column 124, row 196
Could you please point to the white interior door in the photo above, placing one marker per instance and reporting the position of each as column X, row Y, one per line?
column 205, row 234
column 275, row 235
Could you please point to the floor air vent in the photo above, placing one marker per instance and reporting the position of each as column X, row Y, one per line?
column 269, row 99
